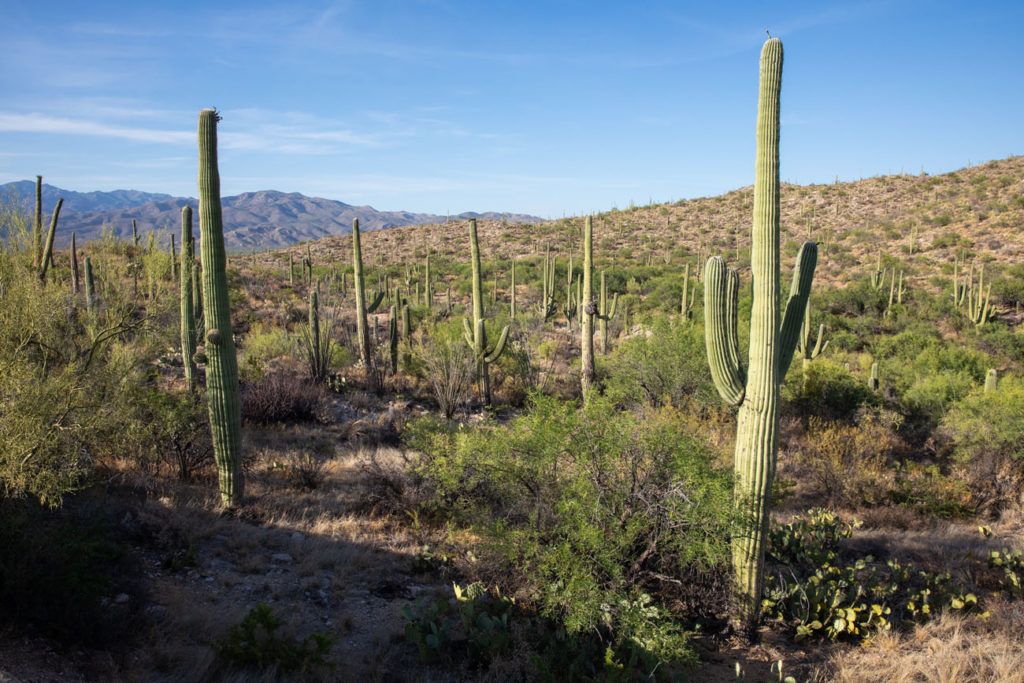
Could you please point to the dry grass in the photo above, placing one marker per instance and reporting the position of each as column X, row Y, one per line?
column 950, row 649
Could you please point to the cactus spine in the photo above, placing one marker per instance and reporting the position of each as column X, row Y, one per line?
column 221, row 365
column 188, row 320
column 476, row 336
column 47, row 257
column 756, row 390
column 75, row 280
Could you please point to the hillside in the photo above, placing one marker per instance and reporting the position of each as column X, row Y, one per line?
column 972, row 211
column 257, row 220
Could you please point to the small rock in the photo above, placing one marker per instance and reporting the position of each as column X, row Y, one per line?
column 121, row 598
column 297, row 537
column 281, row 557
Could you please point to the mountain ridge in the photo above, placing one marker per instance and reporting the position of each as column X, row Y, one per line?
column 252, row 220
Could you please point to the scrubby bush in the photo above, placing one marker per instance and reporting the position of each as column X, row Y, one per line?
column 584, row 508
column 827, row 390
column 280, row 396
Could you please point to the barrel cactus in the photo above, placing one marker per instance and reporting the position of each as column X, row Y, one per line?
column 755, row 389
column 221, row 362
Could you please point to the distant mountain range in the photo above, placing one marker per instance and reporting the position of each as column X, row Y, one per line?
column 251, row 220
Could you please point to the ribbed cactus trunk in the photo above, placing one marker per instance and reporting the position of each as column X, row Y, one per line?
column 135, row 234
column 37, row 225
column 479, row 330
column 221, row 364
column 587, row 374
column 90, row 286
column 362, row 329
column 47, row 257
column 756, row 390
column 512, row 294
column 991, row 380
column 75, row 276
column 428, row 286
column 188, row 320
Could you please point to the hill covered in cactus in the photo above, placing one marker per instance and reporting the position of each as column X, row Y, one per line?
column 924, row 220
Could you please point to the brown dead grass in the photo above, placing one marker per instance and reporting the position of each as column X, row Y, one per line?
column 950, row 649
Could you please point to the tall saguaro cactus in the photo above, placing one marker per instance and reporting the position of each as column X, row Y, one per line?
column 75, row 278
column 188, row 319
column 476, row 336
column 606, row 313
column 47, row 257
column 756, row 389
column 589, row 309
column 221, row 364
column 90, row 286
column 362, row 328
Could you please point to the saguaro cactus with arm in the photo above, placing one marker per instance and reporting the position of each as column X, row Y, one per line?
column 476, row 336
column 756, row 389
column 221, row 363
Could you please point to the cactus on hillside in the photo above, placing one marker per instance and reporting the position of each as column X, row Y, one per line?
column 606, row 314
column 37, row 226
column 873, row 382
column 90, row 286
column 428, row 285
column 362, row 329
column 587, row 310
column 476, row 334
column 188, row 320
column 991, row 380
column 221, row 363
column 756, row 389
column 47, row 257
column 878, row 277
column 512, row 293
column 803, row 343
column 393, row 338
column 75, row 278
column 547, row 298
column 135, row 234
column 686, row 302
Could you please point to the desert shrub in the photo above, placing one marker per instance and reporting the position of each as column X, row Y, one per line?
column 584, row 508
column 849, row 463
column 986, row 434
column 260, row 347
column 179, row 431
column 449, row 367
column 825, row 389
column 280, row 396
column 254, row 644
column 669, row 366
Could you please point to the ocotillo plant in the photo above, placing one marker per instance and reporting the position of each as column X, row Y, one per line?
column 90, row 286
column 476, row 335
column 47, row 257
column 991, row 380
column 221, row 363
column 75, row 285
column 756, row 389
column 362, row 329
column 606, row 314
column 188, row 320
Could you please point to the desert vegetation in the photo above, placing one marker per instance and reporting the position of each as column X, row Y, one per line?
column 576, row 450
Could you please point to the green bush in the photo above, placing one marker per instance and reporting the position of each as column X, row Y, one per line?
column 826, row 389
column 667, row 367
column 584, row 508
column 255, row 644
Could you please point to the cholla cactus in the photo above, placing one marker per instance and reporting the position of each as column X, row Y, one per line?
column 756, row 389
column 221, row 364
column 476, row 334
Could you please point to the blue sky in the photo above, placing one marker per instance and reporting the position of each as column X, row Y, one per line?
column 546, row 108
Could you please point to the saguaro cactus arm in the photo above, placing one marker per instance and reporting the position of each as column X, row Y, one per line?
column 721, row 294
column 498, row 348
column 796, row 306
